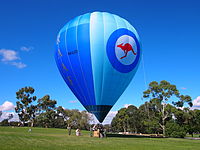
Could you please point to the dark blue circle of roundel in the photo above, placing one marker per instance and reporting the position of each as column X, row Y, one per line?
column 110, row 49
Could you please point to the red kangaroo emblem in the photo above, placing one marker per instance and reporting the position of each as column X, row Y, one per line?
column 126, row 48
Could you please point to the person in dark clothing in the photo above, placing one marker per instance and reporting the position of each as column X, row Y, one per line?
column 69, row 130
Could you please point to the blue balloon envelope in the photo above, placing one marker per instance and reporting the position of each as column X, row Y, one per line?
column 97, row 55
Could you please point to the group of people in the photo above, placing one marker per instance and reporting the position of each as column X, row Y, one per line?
column 95, row 131
column 78, row 131
column 99, row 130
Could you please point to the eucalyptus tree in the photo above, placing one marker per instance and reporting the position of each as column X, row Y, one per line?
column 160, row 94
column 149, row 119
column 120, row 121
column 127, row 119
column 25, row 107
column 75, row 118
column 47, row 111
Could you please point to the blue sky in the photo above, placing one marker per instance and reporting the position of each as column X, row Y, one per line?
column 169, row 32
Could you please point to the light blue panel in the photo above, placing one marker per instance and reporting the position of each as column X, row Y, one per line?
column 114, row 82
column 85, row 19
column 74, row 22
column 108, row 96
column 131, row 28
column 97, row 47
column 120, row 22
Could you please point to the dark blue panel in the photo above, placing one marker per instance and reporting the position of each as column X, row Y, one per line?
column 100, row 111
column 85, row 59
column 78, row 51
column 65, row 69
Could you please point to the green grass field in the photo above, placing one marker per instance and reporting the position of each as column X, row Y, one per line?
column 195, row 135
column 57, row 139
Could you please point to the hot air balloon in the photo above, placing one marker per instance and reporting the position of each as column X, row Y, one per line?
column 97, row 55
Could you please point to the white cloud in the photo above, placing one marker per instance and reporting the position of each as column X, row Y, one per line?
column 6, row 106
column 26, row 49
column 6, row 114
column 196, row 103
column 181, row 108
column 126, row 105
column 8, row 55
column 19, row 65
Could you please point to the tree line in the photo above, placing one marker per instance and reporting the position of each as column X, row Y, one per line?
column 166, row 111
column 43, row 112
column 163, row 113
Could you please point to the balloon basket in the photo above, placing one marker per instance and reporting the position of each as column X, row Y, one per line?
column 96, row 134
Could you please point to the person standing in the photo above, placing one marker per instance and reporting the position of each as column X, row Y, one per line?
column 78, row 132
column 69, row 130
column 91, row 132
column 104, row 133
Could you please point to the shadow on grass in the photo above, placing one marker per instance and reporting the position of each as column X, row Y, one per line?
column 132, row 136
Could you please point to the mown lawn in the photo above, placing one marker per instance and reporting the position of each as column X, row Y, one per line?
column 57, row 139
column 195, row 135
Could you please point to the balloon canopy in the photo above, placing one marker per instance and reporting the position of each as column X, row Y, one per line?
column 97, row 55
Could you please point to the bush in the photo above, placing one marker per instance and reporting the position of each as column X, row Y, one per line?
column 4, row 122
column 175, row 130
column 14, row 123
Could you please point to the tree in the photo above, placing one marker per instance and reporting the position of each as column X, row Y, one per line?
column 175, row 130
column 85, row 120
column 1, row 113
column 46, row 104
column 25, row 108
column 47, row 112
column 190, row 119
column 10, row 116
column 65, row 114
column 149, row 119
column 127, row 119
column 133, row 119
column 5, row 122
column 47, row 119
column 74, row 118
column 197, row 120
column 160, row 94
column 119, row 122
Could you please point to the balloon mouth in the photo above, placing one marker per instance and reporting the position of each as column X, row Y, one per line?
column 100, row 111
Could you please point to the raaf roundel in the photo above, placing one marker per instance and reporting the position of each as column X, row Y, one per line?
column 126, row 48
column 97, row 55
